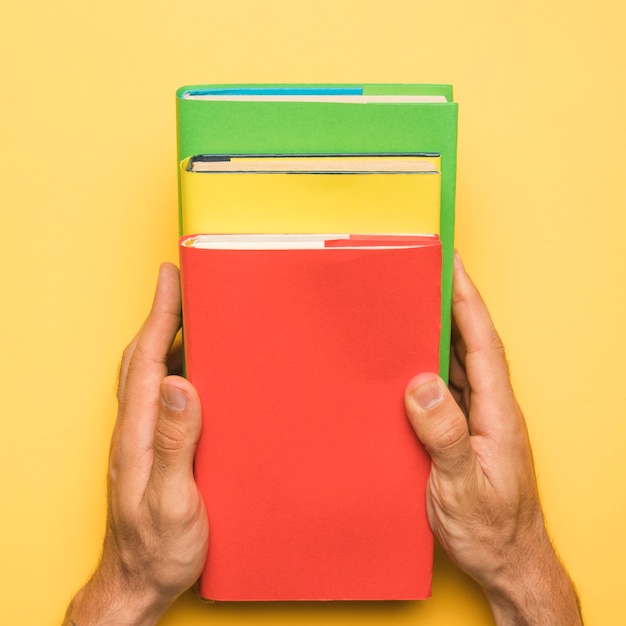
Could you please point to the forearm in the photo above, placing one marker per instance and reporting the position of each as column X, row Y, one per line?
column 537, row 591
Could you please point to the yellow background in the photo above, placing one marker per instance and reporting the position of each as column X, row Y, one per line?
column 88, row 210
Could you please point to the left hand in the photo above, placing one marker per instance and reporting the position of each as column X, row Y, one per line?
column 157, row 531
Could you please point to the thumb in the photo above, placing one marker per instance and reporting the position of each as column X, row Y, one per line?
column 177, row 429
column 439, row 424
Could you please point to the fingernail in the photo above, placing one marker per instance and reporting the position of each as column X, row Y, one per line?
column 428, row 395
column 173, row 398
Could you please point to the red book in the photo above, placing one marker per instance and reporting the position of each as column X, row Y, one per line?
column 313, row 479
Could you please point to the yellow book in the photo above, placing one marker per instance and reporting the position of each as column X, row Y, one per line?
column 311, row 194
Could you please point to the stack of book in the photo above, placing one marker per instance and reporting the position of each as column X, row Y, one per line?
column 317, row 227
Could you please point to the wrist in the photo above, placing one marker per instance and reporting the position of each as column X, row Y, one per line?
column 108, row 599
column 534, row 587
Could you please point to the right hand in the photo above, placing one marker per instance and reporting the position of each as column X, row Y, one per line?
column 482, row 499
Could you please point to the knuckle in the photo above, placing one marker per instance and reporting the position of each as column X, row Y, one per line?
column 496, row 342
column 448, row 434
column 128, row 351
column 169, row 436
column 122, row 370
column 171, row 512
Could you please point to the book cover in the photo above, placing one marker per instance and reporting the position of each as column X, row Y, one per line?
column 330, row 119
column 313, row 480
column 296, row 194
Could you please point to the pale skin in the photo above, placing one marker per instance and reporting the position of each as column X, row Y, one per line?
column 482, row 496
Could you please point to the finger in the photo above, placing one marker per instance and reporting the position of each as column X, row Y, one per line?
column 440, row 425
column 478, row 335
column 457, row 345
column 166, row 303
column 176, row 435
column 458, row 383
column 480, row 350
column 123, row 369
column 143, row 368
column 175, row 358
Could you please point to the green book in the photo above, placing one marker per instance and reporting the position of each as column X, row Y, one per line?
column 330, row 119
